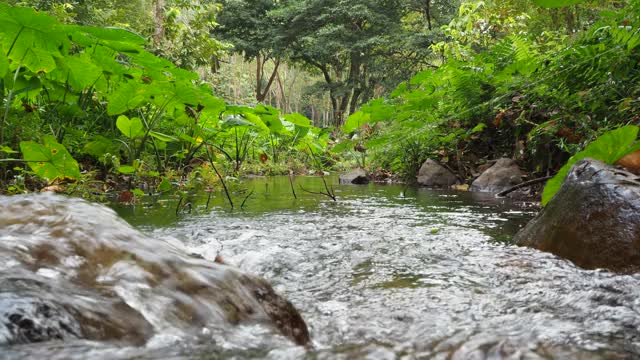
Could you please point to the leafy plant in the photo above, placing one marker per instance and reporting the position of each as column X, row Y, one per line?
column 50, row 160
column 557, row 3
column 609, row 148
column 131, row 128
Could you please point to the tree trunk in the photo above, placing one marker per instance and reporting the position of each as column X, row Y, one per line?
column 334, row 105
column 283, row 94
column 158, row 17
column 339, row 115
column 427, row 13
column 261, row 94
column 354, row 100
column 291, row 92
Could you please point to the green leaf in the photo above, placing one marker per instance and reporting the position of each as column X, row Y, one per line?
column 137, row 192
column 113, row 34
column 50, row 160
column 38, row 60
column 298, row 120
column 4, row 64
column 187, row 139
column 7, row 150
column 344, row 146
column 355, row 121
column 163, row 137
column 271, row 118
column 256, row 121
column 478, row 128
column 100, row 146
column 609, row 148
column 557, row 3
column 165, row 185
column 131, row 128
column 31, row 38
column 126, row 169
column 128, row 96
column 79, row 70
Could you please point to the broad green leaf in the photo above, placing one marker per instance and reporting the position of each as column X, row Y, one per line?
column 355, row 121
column 165, row 185
column 71, row 110
column 187, row 139
column 38, row 60
column 344, row 146
column 271, row 118
column 100, row 146
column 128, row 96
column 50, row 160
column 105, row 59
column 557, row 3
column 79, row 70
column 212, row 105
column 161, row 145
column 187, row 93
column 379, row 141
column 298, row 120
column 4, row 64
column 23, row 85
column 131, row 128
column 609, row 148
column 113, row 34
column 300, row 131
column 256, row 121
column 378, row 110
column 126, row 169
column 32, row 38
column 152, row 62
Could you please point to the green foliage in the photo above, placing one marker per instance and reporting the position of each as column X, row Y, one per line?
column 609, row 148
column 131, row 128
column 557, row 3
column 103, row 94
column 510, row 83
column 50, row 160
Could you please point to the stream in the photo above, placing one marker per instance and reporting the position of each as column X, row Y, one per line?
column 385, row 272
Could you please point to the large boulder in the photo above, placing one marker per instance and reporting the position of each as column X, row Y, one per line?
column 74, row 270
column 432, row 174
column 503, row 175
column 593, row 220
column 355, row 176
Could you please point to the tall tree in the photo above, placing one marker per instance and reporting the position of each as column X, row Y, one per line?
column 256, row 34
column 341, row 39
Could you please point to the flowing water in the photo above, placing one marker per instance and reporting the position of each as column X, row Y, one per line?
column 383, row 273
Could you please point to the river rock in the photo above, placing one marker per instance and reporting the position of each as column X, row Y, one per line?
column 432, row 174
column 503, row 175
column 70, row 269
column 593, row 220
column 355, row 176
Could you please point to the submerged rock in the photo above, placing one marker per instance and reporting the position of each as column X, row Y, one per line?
column 593, row 220
column 73, row 270
column 432, row 174
column 503, row 175
column 355, row 176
